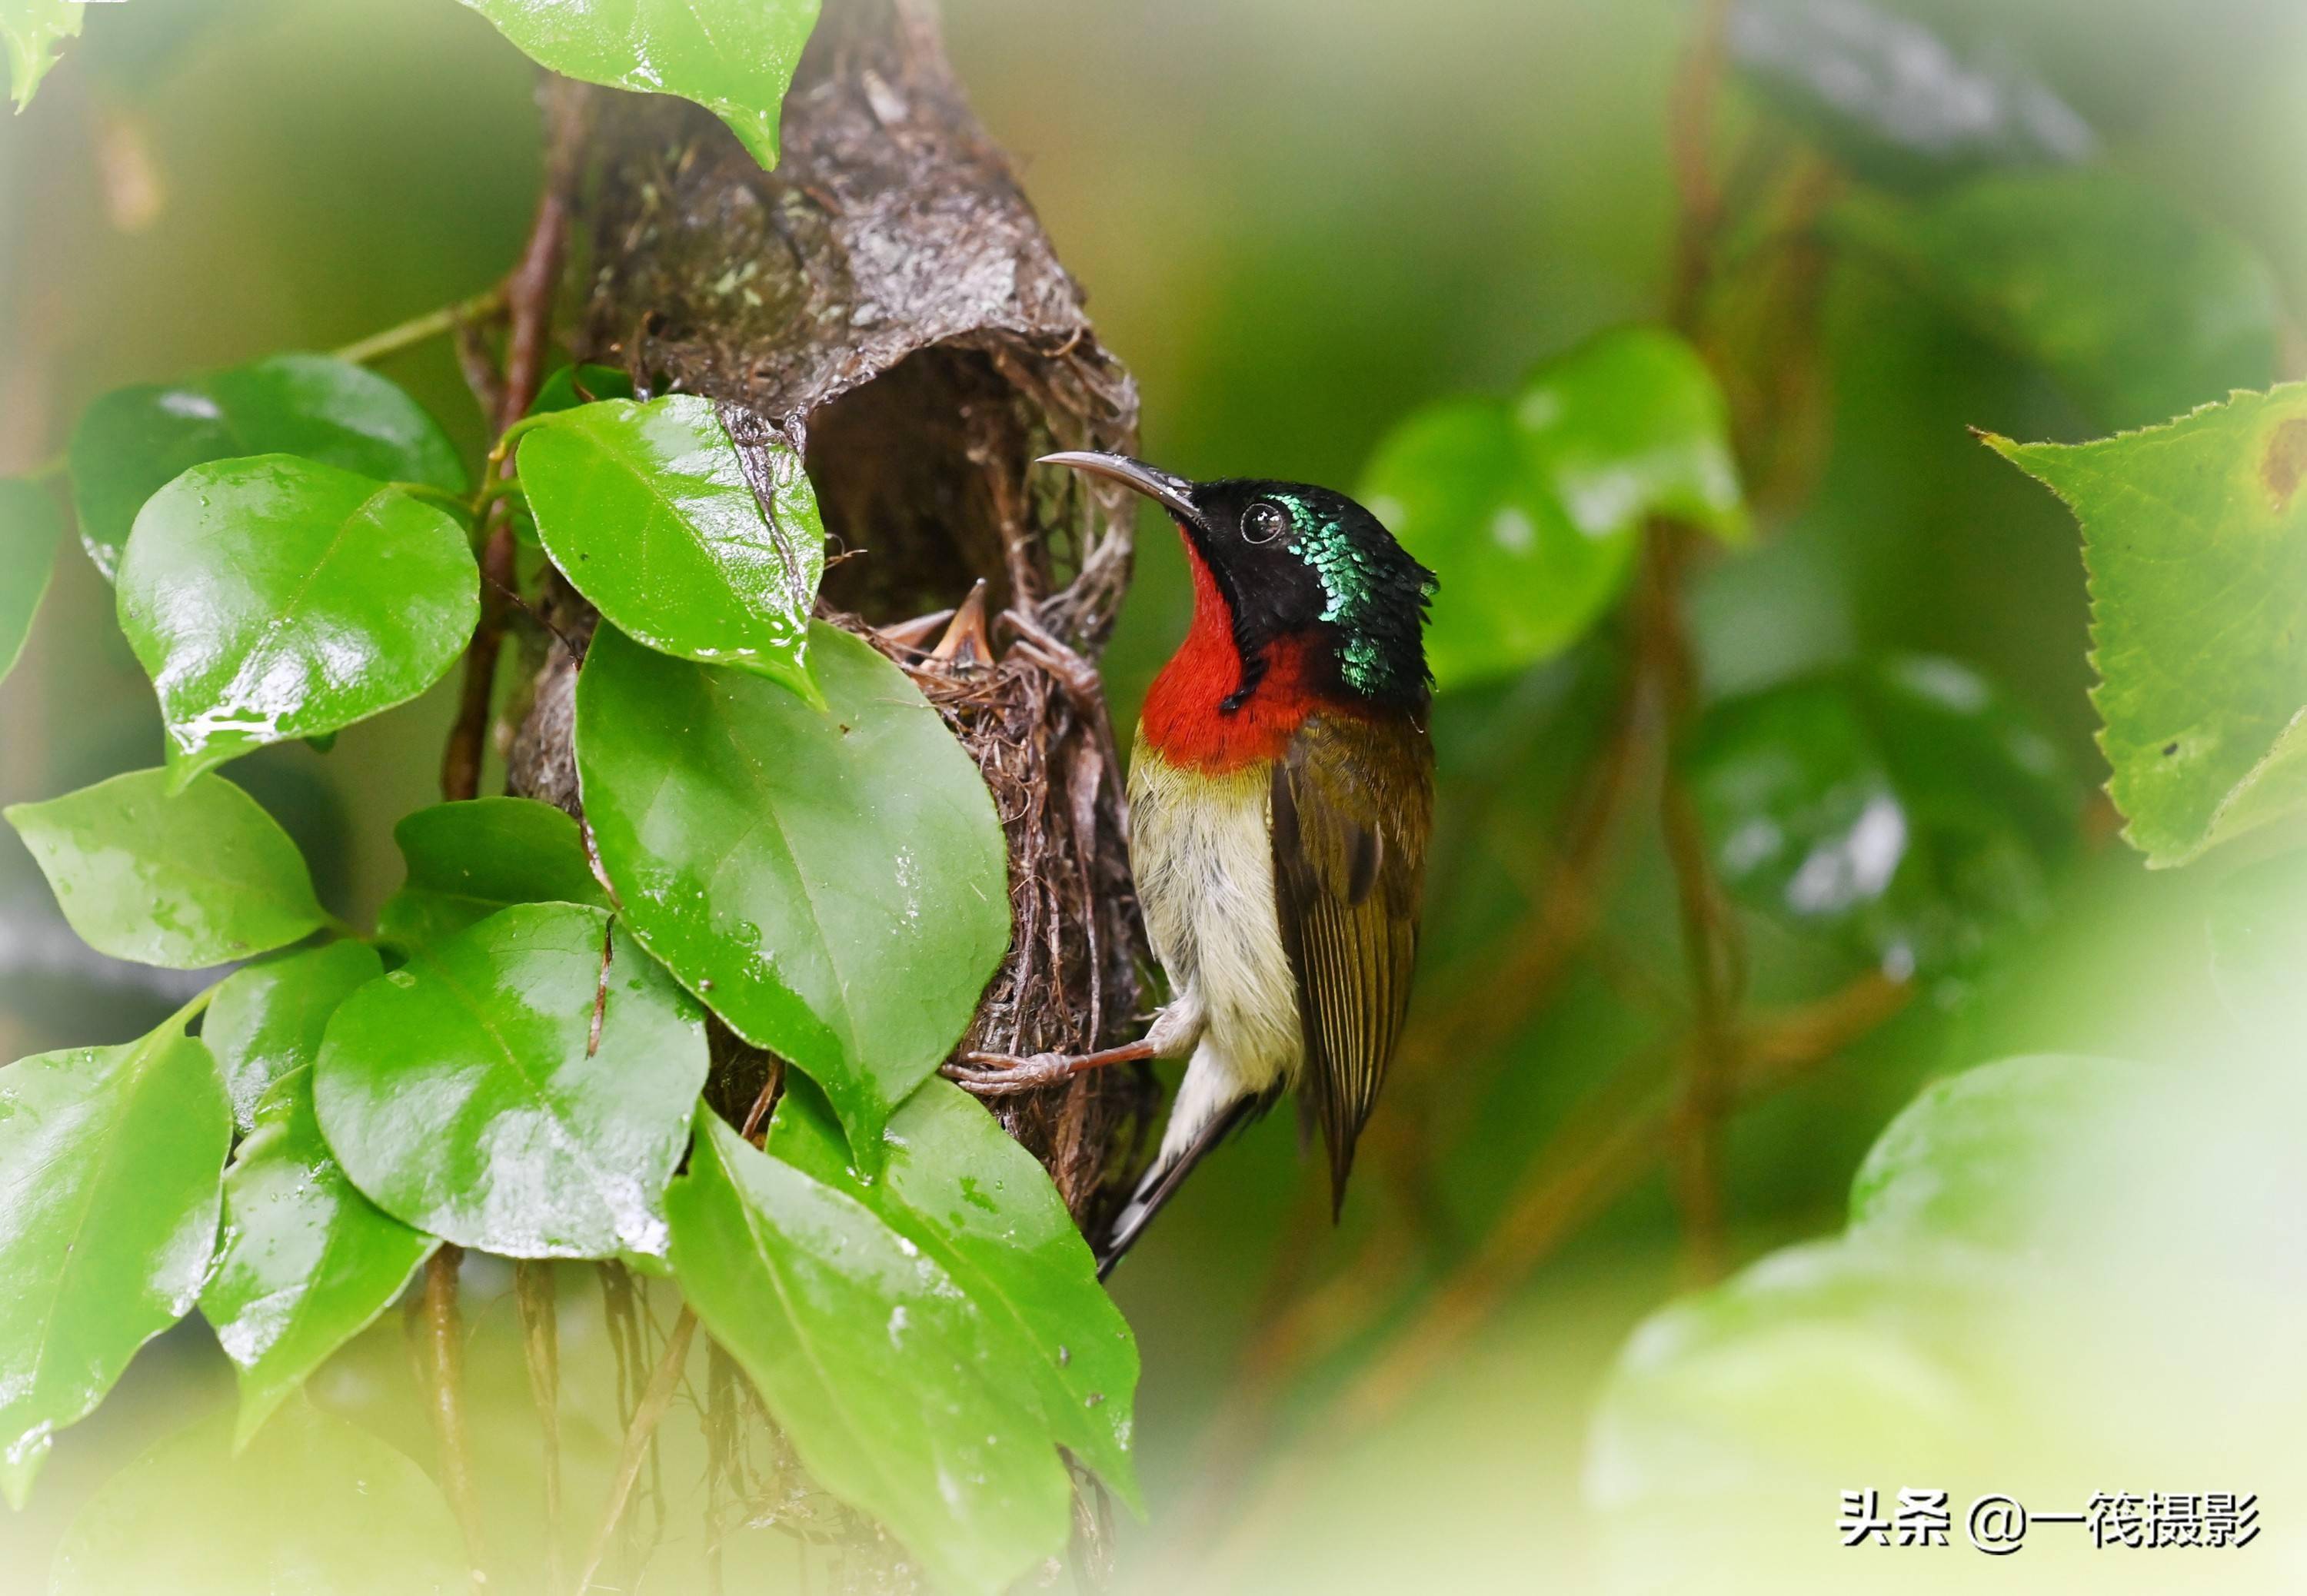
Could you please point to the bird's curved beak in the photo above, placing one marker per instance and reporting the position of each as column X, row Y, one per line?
column 1173, row 493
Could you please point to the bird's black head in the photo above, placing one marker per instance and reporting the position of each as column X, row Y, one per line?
column 1294, row 561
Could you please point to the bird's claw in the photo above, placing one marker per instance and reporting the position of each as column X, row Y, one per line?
column 1006, row 1075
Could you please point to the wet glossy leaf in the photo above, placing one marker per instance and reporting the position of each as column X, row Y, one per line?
column 307, row 1262
column 111, row 1159
column 466, row 1095
column 959, row 1187
column 2004, row 1157
column 1894, row 101
column 568, row 387
column 1530, row 508
column 872, row 1360
column 2195, row 537
column 134, row 440
column 34, row 31
column 1903, row 807
column 2138, row 310
column 467, row 860
column 734, row 57
column 274, row 597
column 314, row 1505
column 648, row 511
column 833, row 883
column 184, row 880
column 30, row 529
column 267, row 1019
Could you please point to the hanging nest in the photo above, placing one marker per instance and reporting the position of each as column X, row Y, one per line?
column 887, row 303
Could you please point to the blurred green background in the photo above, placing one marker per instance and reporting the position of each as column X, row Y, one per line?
column 1297, row 220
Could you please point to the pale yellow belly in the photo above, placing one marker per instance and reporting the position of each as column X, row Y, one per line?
column 1201, row 848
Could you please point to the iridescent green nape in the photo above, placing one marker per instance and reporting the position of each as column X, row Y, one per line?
column 1355, row 583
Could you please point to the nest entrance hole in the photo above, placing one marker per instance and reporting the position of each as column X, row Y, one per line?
column 914, row 472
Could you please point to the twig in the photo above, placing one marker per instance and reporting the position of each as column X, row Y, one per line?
column 442, row 1339
column 772, row 1084
column 540, row 1339
column 1691, row 140
column 529, row 301
column 417, row 329
column 1712, row 952
column 663, row 1382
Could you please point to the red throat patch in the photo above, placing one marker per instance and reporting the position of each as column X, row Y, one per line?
column 1184, row 720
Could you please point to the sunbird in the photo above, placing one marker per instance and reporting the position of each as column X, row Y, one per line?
column 1280, row 794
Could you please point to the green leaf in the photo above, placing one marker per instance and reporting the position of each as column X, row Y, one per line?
column 267, row 1020
column 134, row 440
column 1902, row 807
column 833, row 883
column 465, row 1094
column 872, row 1360
column 29, row 528
column 307, row 1261
column 2003, row 1157
column 568, row 387
column 734, row 57
column 34, row 30
column 275, row 597
column 467, row 860
column 109, row 1163
column 2139, row 310
column 2257, row 918
column 648, row 511
column 1891, row 99
column 184, row 880
column 313, row 1506
column 1531, row 509
column 2195, row 537
column 1807, row 1363
column 959, row 1187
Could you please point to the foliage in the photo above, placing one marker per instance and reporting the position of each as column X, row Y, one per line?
column 734, row 57
column 467, row 860
column 132, row 1138
column 880, row 1368
column 1903, row 807
column 691, row 564
column 184, row 875
column 785, row 848
column 266, row 1021
column 841, row 904
column 134, row 441
column 33, row 30
column 29, row 528
column 2201, row 517
column 2138, row 310
column 275, row 597
column 1534, row 505
column 1894, row 101
column 307, row 1261
column 516, row 1087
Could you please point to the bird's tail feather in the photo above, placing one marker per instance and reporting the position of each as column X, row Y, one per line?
column 1169, row 1172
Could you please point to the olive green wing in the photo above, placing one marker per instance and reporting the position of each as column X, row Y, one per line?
column 1353, row 803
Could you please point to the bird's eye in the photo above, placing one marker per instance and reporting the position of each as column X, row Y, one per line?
column 1263, row 521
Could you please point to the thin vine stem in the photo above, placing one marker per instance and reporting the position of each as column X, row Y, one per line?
column 420, row 329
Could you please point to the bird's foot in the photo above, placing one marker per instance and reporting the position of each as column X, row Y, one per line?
column 1008, row 1074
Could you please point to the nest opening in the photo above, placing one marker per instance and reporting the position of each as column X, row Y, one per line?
column 910, row 471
